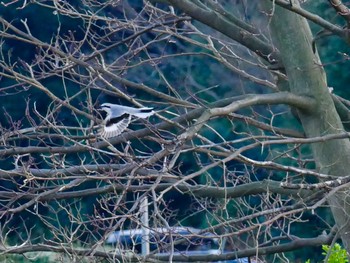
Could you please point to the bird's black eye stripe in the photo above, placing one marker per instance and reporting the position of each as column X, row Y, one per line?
column 117, row 119
column 146, row 110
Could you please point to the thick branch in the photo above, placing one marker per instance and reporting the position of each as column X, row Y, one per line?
column 59, row 248
column 301, row 102
column 254, row 188
column 293, row 245
column 216, row 21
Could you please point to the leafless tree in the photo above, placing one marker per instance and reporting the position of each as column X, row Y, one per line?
column 248, row 148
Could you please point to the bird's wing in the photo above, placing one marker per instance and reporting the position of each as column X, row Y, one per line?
column 115, row 126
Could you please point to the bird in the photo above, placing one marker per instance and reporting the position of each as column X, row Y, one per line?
column 118, row 118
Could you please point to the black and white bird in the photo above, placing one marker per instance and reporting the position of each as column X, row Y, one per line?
column 118, row 118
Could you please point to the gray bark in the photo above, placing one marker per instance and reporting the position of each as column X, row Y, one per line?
column 292, row 37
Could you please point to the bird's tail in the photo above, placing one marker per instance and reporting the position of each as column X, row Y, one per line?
column 144, row 112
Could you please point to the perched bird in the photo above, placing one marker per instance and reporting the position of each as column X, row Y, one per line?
column 118, row 118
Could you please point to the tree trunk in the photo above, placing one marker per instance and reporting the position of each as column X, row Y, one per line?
column 292, row 36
